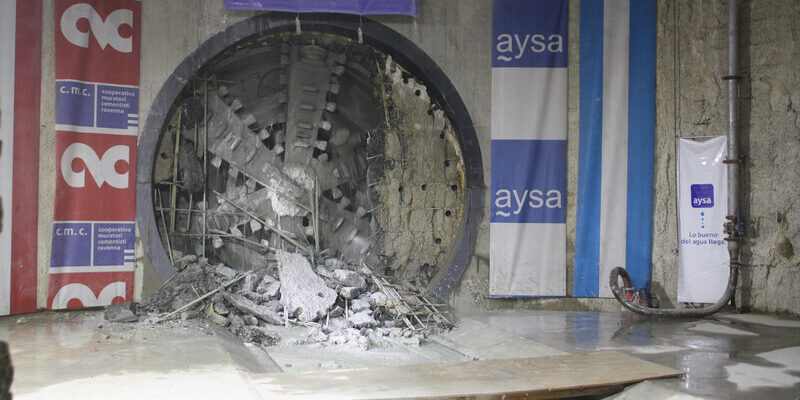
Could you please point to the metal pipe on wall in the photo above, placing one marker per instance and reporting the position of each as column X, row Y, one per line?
column 733, row 228
column 733, row 161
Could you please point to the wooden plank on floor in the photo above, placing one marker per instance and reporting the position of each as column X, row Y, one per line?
column 532, row 378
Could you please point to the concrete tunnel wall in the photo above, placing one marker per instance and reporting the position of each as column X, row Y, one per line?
column 690, row 101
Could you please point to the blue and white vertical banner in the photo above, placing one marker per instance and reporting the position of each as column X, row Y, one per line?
column 702, row 206
column 617, row 143
column 529, row 148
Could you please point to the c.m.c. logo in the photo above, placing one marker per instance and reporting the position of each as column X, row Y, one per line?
column 105, row 31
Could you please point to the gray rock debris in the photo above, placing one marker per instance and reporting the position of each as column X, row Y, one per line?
column 125, row 312
column 184, row 261
column 334, row 263
column 289, row 287
column 249, row 283
column 316, row 335
column 273, row 291
column 360, row 304
column 349, row 278
column 378, row 299
column 227, row 272
column 257, row 334
column 265, row 282
column 220, row 308
column 362, row 320
column 216, row 318
column 350, row 292
column 336, row 311
column 237, row 323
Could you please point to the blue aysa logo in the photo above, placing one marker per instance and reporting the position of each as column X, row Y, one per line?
column 508, row 202
column 702, row 195
column 529, row 181
column 514, row 46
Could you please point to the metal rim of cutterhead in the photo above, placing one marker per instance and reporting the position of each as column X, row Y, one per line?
column 375, row 34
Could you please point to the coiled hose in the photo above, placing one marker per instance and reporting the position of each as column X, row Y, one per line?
column 667, row 312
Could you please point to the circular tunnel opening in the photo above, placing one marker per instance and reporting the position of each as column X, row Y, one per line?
column 305, row 142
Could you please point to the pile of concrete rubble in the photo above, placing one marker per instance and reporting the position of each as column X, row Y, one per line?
column 340, row 303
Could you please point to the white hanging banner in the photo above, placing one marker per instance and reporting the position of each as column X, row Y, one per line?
column 529, row 149
column 703, row 262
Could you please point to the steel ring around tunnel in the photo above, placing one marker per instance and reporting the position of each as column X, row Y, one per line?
column 376, row 35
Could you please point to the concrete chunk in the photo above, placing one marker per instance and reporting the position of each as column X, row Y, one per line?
column 358, row 305
column 264, row 283
column 274, row 305
column 220, row 308
column 227, row 272
column 335, row 263
column 214, row 317
column 303, row 293
column 246, row 306
column 349, row 292
column 257, row 334
column 378, row 299
column 362, row 320
column 236, row 322
column 258, row 298
column 273, row 290
column 349, row 278
column 249, row 283
column 184, row 261
column 316, row 335
column 336, row 312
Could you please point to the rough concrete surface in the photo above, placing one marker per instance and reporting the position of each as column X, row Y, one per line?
column 421, row 195
column 770, row 138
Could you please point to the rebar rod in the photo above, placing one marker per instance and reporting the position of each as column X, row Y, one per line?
column 205, row 163
column 173, row 189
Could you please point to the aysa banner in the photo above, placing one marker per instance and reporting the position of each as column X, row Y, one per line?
column 702, row 206
column 20, row 81
column 97, row 101
column 529, row 148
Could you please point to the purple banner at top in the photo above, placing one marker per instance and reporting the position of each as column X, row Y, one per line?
column 359, row 7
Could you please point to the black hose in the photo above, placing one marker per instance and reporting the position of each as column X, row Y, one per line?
column 733, row 195
column 613, row 281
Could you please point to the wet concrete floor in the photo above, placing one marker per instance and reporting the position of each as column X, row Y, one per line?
column 727, row 356
column 78, row 355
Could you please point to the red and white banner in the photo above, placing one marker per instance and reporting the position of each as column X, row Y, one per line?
column 20, row 80
column 97, row 103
